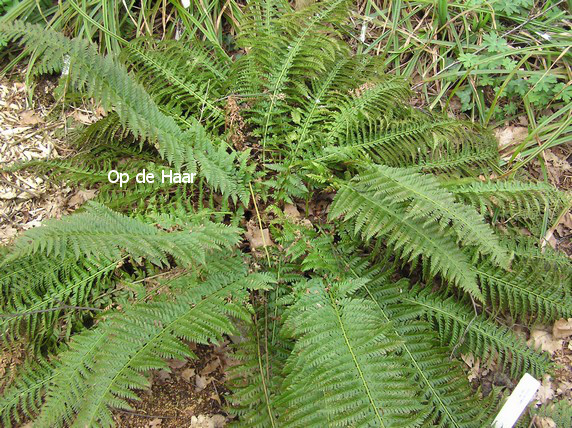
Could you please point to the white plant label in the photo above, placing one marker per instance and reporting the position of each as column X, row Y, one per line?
column 517, row 402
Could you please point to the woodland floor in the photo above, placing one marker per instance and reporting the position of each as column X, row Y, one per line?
column 192, row 395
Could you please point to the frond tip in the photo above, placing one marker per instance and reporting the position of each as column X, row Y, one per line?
column 102, row 232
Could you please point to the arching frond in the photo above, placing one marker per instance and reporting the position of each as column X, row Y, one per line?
column 21, row 400
column 376, row 215
column 137, row 340
column 101, row 78
column 514, row 200
column 102, row 232
column 457, row 325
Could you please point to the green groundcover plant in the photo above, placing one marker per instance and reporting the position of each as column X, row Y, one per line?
column 353, row 319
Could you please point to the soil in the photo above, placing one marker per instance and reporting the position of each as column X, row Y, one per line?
column 190, row 394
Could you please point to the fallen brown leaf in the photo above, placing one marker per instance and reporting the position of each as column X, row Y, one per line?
column 29, row 117
column 201, row 382
column 546, row 390
column 510, row 135
column 81, row 196
column 154, row 423
column 177, row 364
column 291, row 211
column 188, row 374
column 562, row 328
column 542, row 339
column 256, row 237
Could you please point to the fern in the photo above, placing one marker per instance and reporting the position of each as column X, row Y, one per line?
column 475, row 333
column 193, row 74
column 35, row 306
column 296, row 46
column 100, row 231
column 427, row 200
column 374, row 215
column 526, row 289
column 380, row 195
column 515, row 200
column 135, row 342
column 442, row 382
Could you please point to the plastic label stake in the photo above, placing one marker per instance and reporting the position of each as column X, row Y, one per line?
column 517, row 402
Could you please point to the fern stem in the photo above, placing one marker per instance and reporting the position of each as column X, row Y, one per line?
column 261, row 371
column 260, row 224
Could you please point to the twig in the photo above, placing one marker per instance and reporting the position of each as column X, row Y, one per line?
column 260, row 224
column 34, row 194
column 462, row 339
column 143, row 415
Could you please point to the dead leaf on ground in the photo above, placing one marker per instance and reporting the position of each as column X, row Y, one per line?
column 291, row 211
column 542, row 339
column 30, row 117
column 81, row 196
column 510, row 135
column 154, row 423
column 474, row 365
column 546, row 391
column 188, row 374
column 544, row 422
column 177, row 364
column 201, row 382
column 214, row 396
column 163, row 376
column 205, row 421
column 562, row 328
column 7, row 233
column 256, row 237
column 82, row 117
column 210, row 367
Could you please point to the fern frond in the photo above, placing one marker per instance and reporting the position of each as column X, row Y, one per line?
column 228, row 173
column 255, row 390
column 186, row 80
column 443, row 383
column 137, row 340
column 363, row 105
column 555, row 264
column 102, row 232
column 296, row 45
column 34, row 306
column 342, row 369
column 22, row 399
column 515, row 200
column 442, row 380
column 475, row 333
column 68, row 381
column 374, row 215
column 526, row 290
column 560, row 412
column 101, row 78
column 427, row 200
